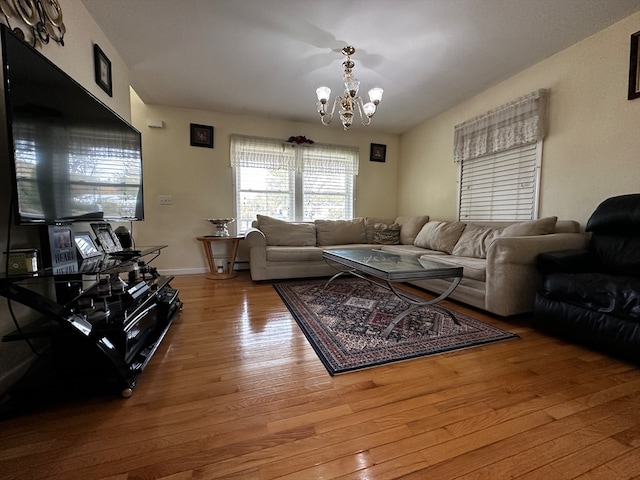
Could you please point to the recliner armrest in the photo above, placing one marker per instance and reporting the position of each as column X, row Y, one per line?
column 567, row 261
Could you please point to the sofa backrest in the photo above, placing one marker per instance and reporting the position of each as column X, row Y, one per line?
column 615, row 239
column 562, row 226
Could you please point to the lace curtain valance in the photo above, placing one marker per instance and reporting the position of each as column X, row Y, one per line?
column 517, row 123
column 262, row 153
column 275, row 154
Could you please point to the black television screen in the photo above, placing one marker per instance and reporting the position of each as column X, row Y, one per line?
column 72, row 158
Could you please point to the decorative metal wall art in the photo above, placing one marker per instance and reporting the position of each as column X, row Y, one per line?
column 38, row 20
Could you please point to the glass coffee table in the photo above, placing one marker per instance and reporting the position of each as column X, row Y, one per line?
column 391, row 267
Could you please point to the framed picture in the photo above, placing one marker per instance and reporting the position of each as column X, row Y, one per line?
column 378, row 152
column 201, row 135
column 84, row 244
column 103, row 70
column 62, row 248
column 106, row 237
column 634, row 67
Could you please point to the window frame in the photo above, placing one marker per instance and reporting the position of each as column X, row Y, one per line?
column 298, row 190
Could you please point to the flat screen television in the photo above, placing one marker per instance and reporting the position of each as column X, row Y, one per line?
column 71, row 157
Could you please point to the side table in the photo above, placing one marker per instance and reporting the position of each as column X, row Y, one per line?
column 221, row 265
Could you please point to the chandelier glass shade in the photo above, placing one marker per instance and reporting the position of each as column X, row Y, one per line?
column 349, row 102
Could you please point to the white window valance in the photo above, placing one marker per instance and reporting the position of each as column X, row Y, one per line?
column 261, row 152
column 330, row 159
column 512, row 125
column 247, row 151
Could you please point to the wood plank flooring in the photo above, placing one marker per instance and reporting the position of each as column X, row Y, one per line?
column 235, row 391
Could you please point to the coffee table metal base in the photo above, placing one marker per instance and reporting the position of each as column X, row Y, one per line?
column 415, row 304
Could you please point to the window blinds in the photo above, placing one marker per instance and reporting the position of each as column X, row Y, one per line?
column 501, row 186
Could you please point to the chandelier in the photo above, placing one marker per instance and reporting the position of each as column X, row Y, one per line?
column 350, row 101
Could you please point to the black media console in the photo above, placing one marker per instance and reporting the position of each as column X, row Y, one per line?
column 104, row 328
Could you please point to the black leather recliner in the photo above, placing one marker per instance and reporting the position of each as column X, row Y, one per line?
column 592, row 296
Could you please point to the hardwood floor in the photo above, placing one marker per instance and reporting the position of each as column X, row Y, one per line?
column 235, row 391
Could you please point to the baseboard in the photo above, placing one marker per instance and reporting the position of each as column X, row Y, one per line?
column 239, row 266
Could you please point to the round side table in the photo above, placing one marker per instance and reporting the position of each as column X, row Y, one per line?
column 223, row 269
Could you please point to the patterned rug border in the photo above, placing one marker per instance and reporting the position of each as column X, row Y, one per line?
column 337, row 359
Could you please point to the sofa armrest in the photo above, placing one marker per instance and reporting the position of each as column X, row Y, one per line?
column 525, row 250
column 567, row 261
column 512, row 275
column 257, row 253
column 255, row 238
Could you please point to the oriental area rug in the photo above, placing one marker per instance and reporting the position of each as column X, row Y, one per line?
column 344, row 324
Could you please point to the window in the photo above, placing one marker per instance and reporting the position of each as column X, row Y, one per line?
column 501, row 186
column 500, row 157
column 292, row 182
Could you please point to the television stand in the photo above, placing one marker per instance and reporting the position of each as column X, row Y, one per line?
column 106, row 334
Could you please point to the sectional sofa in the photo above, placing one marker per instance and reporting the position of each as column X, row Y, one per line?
column 498, row 258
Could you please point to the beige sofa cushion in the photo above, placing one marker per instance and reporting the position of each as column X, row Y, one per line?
column 340, row 232
column 542, row 226
column 472, row 268
column 475, row 239
column 441, row 236
column 472, row 241
column 408, row 250
column 293, row 254
column 410, row 227
column 280, row 232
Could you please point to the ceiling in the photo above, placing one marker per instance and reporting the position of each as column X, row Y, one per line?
column 267, row 57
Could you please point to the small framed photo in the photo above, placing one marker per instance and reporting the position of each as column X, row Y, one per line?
column 634, row 67
column 106, row 237
column 201, row 135
column 85, row 245
column 103, row 70
column 61, row 246
column 378, row 153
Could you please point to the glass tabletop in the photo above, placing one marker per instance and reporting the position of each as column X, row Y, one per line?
column 392, row 266
column 103, row 263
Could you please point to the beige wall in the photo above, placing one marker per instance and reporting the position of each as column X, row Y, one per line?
column 592, row 150
column 76, row 56
column 200, row 179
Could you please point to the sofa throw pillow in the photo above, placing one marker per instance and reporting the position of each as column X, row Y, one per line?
column 384, row 234
column 472, row 241
column 369, row 226
column 282, row 233
column 542, row 226
column 409, row 227
column 340, row 232
column 440, row 236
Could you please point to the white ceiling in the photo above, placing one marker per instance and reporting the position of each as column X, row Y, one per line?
column 267, row 57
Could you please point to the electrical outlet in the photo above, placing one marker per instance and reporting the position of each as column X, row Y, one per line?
column 165, row 199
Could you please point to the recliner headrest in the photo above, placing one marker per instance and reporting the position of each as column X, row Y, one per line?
column 616, row 214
